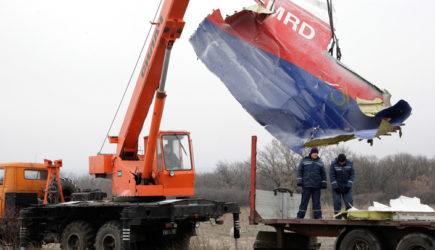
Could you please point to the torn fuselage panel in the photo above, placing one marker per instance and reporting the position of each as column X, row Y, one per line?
column 278, row 69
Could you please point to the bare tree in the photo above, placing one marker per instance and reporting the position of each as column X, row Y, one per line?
column 375, row 179
column 279, row 164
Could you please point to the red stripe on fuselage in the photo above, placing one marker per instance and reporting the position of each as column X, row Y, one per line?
column 288, row 34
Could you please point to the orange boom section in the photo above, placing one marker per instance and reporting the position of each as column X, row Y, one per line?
column 166, row 168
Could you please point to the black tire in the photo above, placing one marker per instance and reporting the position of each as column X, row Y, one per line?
column 265, row 240
column 360, row 239
column 180, row 241
column 171, row 243
column 34, row 245
column 184, row 233
column 109, row 236
column 416, row 241
column 77, row 235
column 68, row 188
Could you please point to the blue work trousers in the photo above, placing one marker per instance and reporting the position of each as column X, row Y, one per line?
column 308, row 192
column 347, row 198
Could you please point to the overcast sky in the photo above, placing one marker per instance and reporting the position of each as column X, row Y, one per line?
column 65, row 64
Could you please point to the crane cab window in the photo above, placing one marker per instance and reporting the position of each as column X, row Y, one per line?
column 2, row 176
column 33, row 174
column 176, row 152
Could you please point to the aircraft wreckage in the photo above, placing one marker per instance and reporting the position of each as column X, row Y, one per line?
column 274, row 60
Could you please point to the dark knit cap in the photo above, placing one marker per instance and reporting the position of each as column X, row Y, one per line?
column 341, row 158
column 314, row 150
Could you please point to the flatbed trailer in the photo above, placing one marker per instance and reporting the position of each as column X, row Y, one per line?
column 278, row 209
column 166, row 224
column 371, row 234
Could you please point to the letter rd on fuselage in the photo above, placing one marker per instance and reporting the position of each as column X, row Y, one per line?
column 302, row 28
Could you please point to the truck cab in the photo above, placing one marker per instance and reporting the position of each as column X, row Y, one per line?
column 21, row 184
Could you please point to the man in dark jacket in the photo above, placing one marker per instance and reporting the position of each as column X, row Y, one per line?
column 341, row 175
column 171, row 160
column 311, row 177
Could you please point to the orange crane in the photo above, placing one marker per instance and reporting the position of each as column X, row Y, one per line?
column 166, row 168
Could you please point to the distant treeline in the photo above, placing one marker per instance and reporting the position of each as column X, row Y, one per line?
column 375, row 179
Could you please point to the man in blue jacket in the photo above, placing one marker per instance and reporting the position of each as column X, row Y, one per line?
column 311, row 177
column 341, row 175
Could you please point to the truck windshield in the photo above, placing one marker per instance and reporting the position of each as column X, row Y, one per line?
column 176, row 152
column 33, row 174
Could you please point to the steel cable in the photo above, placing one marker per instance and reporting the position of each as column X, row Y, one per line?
column 131, row 77
column 334, row 36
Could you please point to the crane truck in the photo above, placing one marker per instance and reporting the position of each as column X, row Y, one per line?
column 152, row 207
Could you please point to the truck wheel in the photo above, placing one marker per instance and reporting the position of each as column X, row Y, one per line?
column 360, row 239
column 416, row 241
column 77, row 235
column 182, row 241
column 265, row 240
column 34, row 245
column 109, row 236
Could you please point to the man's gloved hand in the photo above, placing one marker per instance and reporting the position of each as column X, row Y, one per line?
column 323, row 185
column 299, row 184
column 337, row 190
column 346, row 190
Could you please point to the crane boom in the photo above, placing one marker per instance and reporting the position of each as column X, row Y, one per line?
column 168, row 29
column 167, row 166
